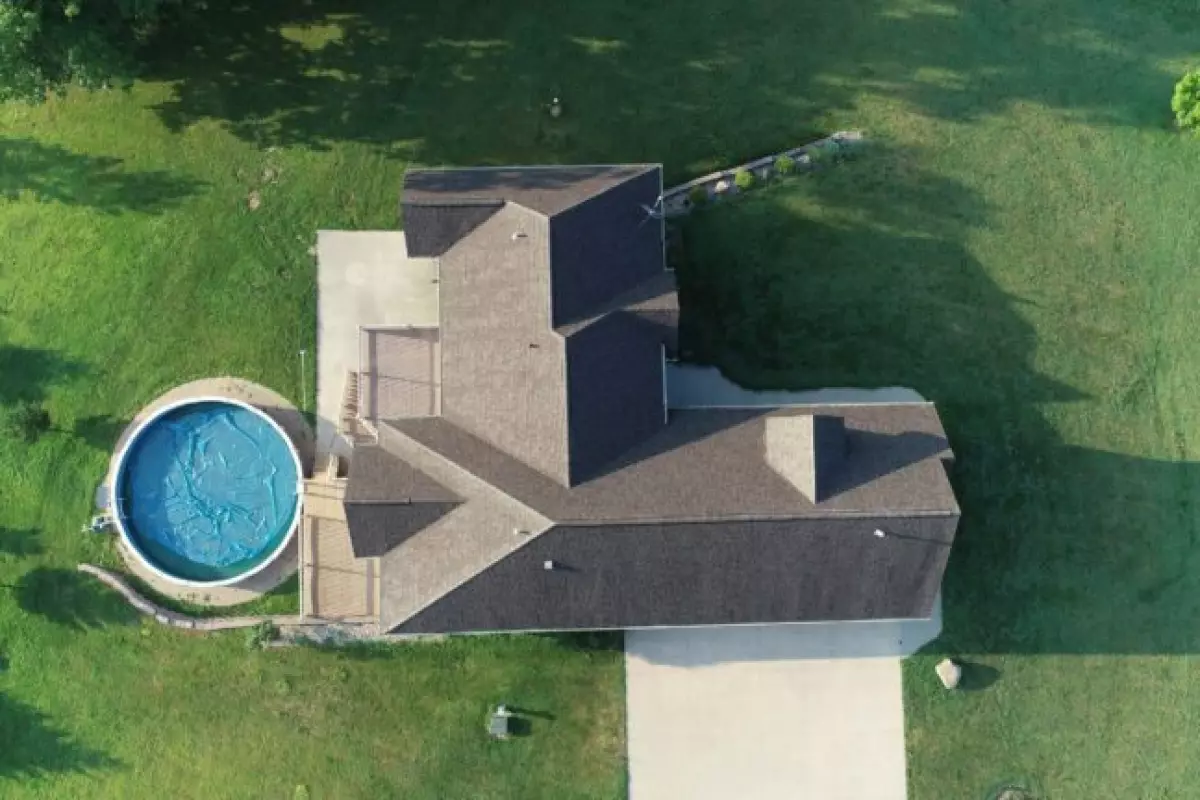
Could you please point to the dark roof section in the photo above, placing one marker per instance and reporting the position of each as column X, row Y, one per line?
column 808, row 451
column 655, row 300
column 829, row 454
column 710, row 464
column 375, row 528
column 707, row 573
column 614, row 391
column 387, row 501
column 606, row 245
column 432, row 229
column 377, row 476
column 548, row 190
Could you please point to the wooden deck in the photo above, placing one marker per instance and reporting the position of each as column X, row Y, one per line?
column 334, row 584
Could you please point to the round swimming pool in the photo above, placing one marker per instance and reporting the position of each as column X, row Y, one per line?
column 207, row 491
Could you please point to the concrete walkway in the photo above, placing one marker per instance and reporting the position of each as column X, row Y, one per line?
column 802, row 712
column 364, row 278
column 690, row 386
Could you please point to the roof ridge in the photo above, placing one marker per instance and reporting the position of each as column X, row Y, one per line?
column 582, row 201
column 832, row 513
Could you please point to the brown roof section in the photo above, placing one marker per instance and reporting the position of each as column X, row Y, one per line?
column 558, row 246
column 710, row 464
column 548, row 190
column 388, row 500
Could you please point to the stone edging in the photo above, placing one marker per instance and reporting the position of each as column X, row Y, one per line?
column 292, row 628
column 677, row 201
column 182, row 621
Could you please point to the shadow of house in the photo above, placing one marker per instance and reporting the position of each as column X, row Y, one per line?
column 71, row 599
column 31, row 746
column 588, row 641
column 53, row 174
column 638, row 84
column 19, row 543
column 1061, row 548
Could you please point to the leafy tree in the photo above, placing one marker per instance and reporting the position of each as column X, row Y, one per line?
column 46, row 45
column 1186, row 101
column 25, row 421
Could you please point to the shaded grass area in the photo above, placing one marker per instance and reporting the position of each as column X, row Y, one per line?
column 1016, row 246
column 1026, row 265
column 283, row 599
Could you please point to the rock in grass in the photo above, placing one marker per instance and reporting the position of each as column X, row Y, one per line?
column 949, row 673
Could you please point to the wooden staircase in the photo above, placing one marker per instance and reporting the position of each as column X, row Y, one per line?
column 351, row 423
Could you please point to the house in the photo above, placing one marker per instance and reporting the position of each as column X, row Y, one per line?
column 528, row 474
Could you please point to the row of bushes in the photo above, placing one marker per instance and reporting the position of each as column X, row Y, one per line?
column 784, row 165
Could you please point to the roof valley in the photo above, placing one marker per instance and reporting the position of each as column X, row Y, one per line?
column 487, row 527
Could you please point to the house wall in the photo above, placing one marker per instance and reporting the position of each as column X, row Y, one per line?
column 605, row 246
column 503, row 367
column 705, row 574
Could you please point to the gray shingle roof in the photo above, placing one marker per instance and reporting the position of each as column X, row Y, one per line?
column 555, row 308
column 548, row 190
column 710, row 464
column 388, row 500
column 545, row 261
column 704, row 573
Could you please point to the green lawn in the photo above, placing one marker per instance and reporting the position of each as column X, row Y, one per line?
column 1020, row 246
column 132, row 263
column 1017, row 243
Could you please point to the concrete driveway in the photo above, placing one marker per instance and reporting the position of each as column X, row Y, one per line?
column 764, row 712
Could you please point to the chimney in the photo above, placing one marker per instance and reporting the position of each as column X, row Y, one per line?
column 807, row 450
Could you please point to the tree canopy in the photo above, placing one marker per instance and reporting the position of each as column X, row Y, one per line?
column 46, row 45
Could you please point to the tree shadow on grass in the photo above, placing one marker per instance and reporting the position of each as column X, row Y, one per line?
column 19, row 543
column 100, row 431
column 837, row 281
column 71, row 599
column 29, row 372
column 30, row 745
column 469, row 85
column 53, row 174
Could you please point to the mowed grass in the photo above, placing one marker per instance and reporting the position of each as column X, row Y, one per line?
column 132, row 262
column 1016, row 242
column 1019, row 245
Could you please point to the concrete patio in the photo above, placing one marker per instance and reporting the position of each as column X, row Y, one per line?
column 364, row 279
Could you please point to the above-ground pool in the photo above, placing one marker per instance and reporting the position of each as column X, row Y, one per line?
column 207, row 491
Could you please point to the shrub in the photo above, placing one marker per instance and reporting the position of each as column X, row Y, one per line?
column 1186, row 101
column 785, row 165
column 260, row 635
column 698, row 196
column 743, row 180
column 824, row 153
column 25, row 421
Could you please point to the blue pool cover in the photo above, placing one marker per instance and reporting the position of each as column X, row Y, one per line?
column 208, row 491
